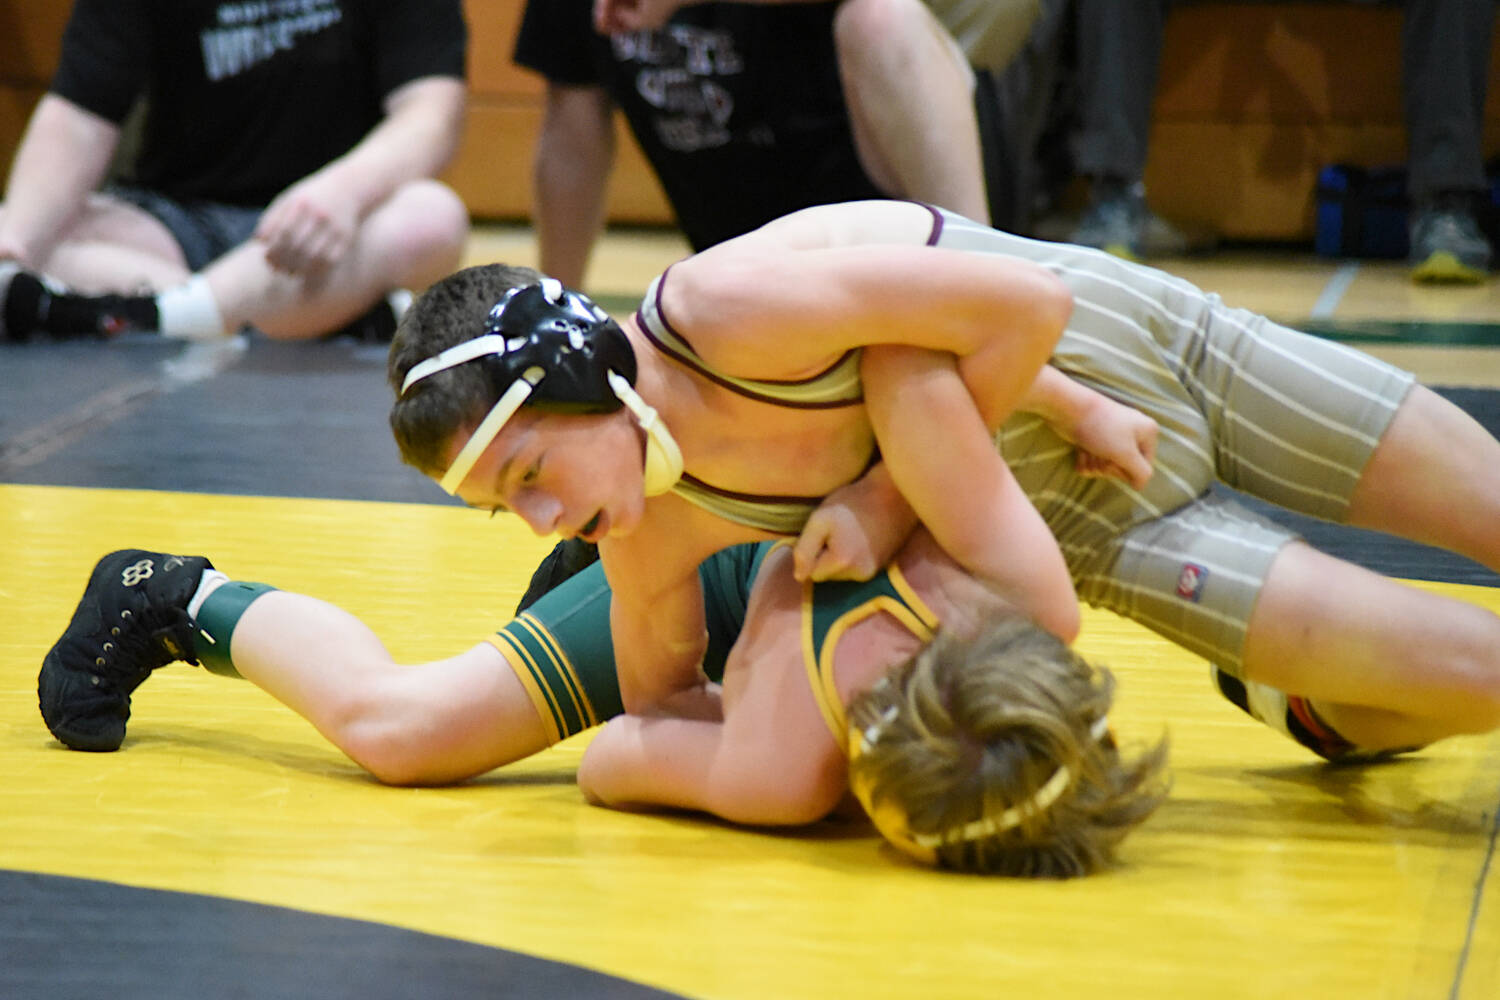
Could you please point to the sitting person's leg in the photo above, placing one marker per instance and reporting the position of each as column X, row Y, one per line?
column 910, row 97
column 196, row 271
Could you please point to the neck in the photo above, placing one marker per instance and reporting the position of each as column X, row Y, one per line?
column 653, row 374
column 662, row 462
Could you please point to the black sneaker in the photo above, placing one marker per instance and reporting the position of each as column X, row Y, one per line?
column 132, row 619
column 33, row 308
column 566, row 559
column 21, row 293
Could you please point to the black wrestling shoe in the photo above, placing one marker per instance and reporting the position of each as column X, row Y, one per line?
column 132, row 619
column 567, row 558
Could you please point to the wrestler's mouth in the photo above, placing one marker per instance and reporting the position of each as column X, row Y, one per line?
column 590, row 532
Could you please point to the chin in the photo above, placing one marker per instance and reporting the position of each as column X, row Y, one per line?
column 622, row 521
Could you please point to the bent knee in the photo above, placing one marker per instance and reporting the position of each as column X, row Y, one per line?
column 425, row 226
column 376, row 735
column 388, row 753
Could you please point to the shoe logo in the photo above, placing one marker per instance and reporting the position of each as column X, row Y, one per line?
column 138, row 572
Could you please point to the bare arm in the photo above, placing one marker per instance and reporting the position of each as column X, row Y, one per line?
column 657, row 621
column 63, row 156
column 1000, row 316
column 637, row 763
column 312, row 223
column 942, row 458
column 859, row 527
column 574, row 156
column 1113, row 439
column 611, row 16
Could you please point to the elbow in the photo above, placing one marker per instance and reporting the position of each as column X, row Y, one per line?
column 588, row 780
column 1065, row 622
column 1053, row 305
column 784, row 796
column 1057, row 611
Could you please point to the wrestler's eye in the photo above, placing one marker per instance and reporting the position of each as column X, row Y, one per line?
column 535, row 471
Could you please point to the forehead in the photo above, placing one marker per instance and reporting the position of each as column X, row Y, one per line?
column 529, row 431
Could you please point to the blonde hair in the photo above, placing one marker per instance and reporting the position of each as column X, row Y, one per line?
column 994, row 751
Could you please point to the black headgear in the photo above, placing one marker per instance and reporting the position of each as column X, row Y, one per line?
column 557, row 339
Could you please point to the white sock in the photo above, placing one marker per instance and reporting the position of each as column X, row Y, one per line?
column 210, row 581
column 190, row 312
column 400, row 300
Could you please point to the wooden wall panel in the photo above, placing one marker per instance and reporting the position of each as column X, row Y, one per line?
column 1253, row 99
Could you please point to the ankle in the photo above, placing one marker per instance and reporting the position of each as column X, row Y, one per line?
column 190, row 311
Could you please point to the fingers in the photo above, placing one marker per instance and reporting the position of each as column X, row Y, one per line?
column 1147, row 442
column 298, row 239
column 817, row 554
column 810, row 547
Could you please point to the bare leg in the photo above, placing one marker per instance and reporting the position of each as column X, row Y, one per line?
column 910, row 95
column 113, row 246
column 433, row 723
column 412, row 240
column 1434, row 478
column 1398, row 666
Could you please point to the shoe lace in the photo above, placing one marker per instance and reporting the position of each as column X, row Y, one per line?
column 143, row 640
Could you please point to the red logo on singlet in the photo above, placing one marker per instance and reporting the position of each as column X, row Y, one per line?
column 1190, row 581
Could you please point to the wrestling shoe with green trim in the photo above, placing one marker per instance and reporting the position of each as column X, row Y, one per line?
column 132, row 619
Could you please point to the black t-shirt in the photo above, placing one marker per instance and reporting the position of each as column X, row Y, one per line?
column 738, row 106
column 245, row 98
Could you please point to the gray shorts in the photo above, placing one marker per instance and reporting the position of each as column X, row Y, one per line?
column 205, row 230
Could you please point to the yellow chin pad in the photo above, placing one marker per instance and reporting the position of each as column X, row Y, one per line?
column 888, row 818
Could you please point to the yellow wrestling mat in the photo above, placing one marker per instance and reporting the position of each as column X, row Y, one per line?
column 1265, row 875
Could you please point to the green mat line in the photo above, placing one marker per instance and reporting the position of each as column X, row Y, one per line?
column 1405, row 332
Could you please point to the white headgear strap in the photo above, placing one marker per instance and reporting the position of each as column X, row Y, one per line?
column 469, row 350
column 663, row 457
column 510, row 401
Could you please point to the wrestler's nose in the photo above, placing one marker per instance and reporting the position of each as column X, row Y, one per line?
column 539, row 510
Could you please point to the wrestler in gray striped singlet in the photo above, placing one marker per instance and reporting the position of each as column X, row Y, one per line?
column 1272, row 412
column 1276, row 413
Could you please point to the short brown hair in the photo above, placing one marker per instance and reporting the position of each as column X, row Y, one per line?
column 452, row 311
column 1007, row 724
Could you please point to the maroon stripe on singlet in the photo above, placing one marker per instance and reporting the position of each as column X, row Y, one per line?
column 750, row 497
column 937, row 224
column 692, row 363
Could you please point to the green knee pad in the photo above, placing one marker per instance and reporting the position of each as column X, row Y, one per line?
column 216, row 620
